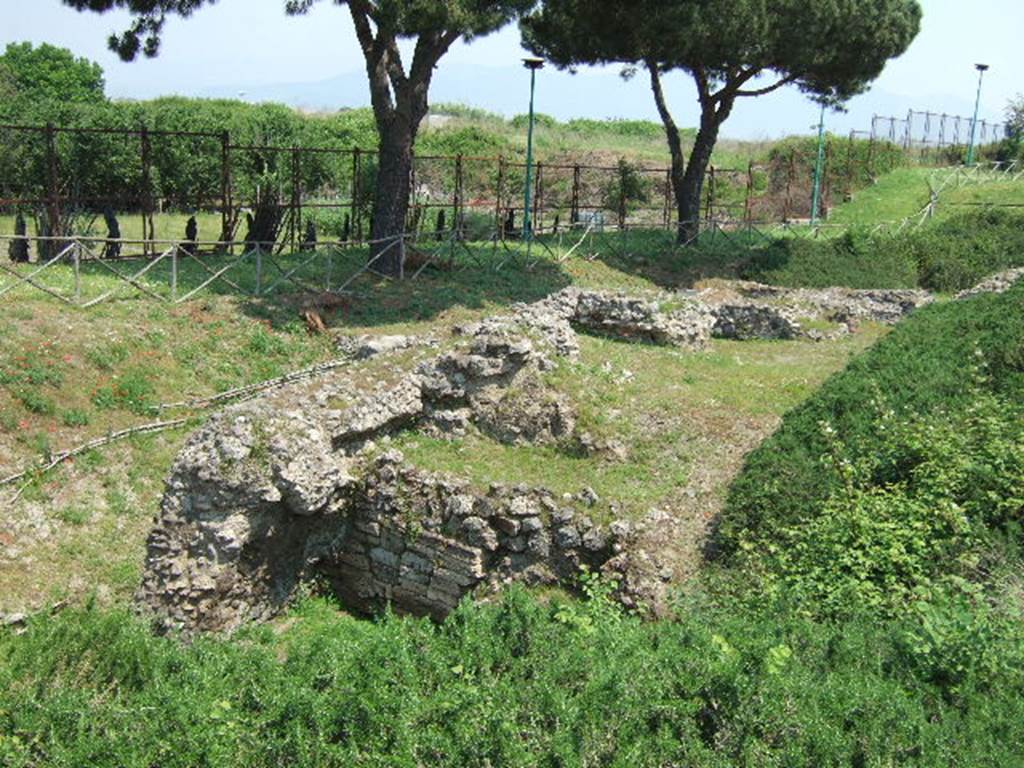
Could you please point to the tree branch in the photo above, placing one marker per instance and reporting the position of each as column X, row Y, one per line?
column 734, row 83
column 659, row 98
column 429, row 52
column 374, row 53
column 770, row 88
column 700, row 75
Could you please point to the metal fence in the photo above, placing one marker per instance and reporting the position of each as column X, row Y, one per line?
column 64, row 181
column 172, row 272
column 930, row 132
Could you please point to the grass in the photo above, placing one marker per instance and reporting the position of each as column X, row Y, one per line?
column 897, row 195
column 671, row 412
column 167, row 227
column 905, row 192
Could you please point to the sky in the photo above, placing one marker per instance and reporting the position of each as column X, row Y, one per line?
column 251, row 48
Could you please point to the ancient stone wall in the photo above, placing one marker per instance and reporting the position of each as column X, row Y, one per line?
column 294, row 485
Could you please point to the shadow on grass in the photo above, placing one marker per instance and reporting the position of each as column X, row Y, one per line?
column 276, row 288
column 654, row 256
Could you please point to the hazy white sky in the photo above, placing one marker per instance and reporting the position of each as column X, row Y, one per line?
column 248, row 45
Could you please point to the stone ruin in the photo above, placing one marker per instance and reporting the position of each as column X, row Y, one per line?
column 292, row 487
column 298, row 485
column 1000, row 282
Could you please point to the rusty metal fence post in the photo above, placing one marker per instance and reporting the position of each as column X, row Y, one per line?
column 356, row 224
column 52, row 193
column 457, row 201
column 296, row 198
column 574, row 202
column 148, row 235
column 498, row 222
column 226, row 205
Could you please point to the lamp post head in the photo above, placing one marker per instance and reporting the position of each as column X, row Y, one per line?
column 532, row 62
column 981, row 67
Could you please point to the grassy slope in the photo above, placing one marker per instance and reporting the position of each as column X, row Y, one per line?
column 922, row 367
column 906, row 191
column 896, row 196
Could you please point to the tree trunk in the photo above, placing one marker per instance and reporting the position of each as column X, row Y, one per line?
column 688, row 177
column 690, row 188
column 391, row 199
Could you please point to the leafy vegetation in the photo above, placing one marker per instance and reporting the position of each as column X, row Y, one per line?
column 518, row 683
column 922, row 508
column 921, row 374
column 50, row 74
column 957, row 252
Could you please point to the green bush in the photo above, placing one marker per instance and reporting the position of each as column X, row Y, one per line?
column 958, row 252
column 919, row 503
column 518, row 683
column 922, row 367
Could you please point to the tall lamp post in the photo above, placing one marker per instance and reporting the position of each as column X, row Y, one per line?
column 982, row 68
column 532, row 64
column 818, row 168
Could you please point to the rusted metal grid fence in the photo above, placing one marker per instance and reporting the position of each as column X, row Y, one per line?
column 169, row 214
column 143, row 185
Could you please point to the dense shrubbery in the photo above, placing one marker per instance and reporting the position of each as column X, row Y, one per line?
column 958, row 252
column 923, row 370
column 519, row 683
column 946, row 256
column 919, row 506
